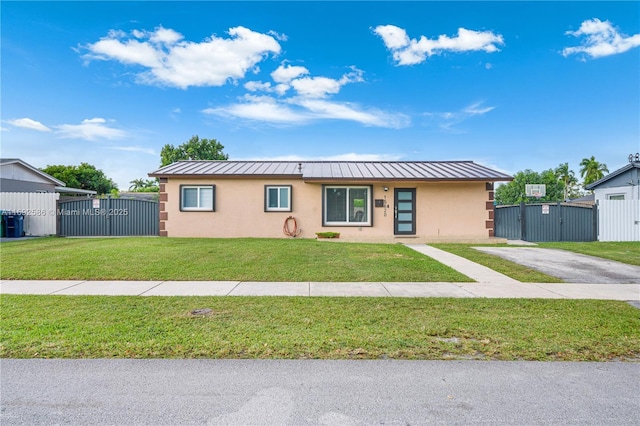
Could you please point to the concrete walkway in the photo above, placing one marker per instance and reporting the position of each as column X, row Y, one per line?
column 626, row 292
column 476, row 272
column 490, row 284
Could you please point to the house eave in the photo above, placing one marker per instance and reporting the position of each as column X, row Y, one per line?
column 612, row 175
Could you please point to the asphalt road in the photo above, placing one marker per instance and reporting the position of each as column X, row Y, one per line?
column 301, row 392
column 569, row 266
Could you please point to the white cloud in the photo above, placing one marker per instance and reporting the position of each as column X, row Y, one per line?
column 309, row 103
column 172, row 61
column 278, row 36
column 89, row 129
column 600, row 39
column 134, row 149
column 408, row 51
column 27, row 123
column 261, row 108
column 477, row 109
column 316, row 87
column 449, row 120
column 284, row 74
column 321, row 87
column 300, row 110
column 344, row 111
column 254, row 86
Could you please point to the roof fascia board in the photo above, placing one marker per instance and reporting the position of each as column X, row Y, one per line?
column 211, row 176
column 611, row 175
column 351, row 179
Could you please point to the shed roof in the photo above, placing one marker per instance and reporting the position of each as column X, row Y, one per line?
column 620, row 171
column 335, row 170
column 40, row 173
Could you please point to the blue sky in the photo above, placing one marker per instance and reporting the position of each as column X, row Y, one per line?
column 511, row 85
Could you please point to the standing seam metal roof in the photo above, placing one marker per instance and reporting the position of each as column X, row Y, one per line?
column 335, row 170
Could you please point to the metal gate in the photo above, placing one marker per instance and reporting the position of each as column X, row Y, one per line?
column 107, row 217
column 547, row 222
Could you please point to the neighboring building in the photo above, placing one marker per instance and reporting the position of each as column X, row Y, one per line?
column 588, row 199
column 33, row 194
column 623, row 184
column 618, row 198
column 363, row 201
column 143, row 196
column 18, row 176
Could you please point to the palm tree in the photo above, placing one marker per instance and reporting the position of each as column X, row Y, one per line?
column 137, row 184
column 592, row 170
column 567, row 177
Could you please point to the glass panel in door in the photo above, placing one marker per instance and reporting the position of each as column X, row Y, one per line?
column 404, row 222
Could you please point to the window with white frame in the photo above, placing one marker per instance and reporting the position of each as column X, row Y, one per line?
column 615, row 197
column 277, row 198
column 197, row 198
column 347, row 205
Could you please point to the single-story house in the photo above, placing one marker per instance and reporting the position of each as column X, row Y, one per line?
column 622, row 184
column 361, row 200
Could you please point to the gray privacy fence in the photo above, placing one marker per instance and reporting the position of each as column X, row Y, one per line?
column 107, row 217
column 547, row 222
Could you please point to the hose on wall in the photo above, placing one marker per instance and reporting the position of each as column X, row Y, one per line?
column 288, row 231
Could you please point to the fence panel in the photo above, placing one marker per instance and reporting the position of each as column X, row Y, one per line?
column 38, row 208
column 507, row 222
column 546, row 222
column 543, row 222
column 134, row 217
column 579, row 223
column 619, row 220
column 108, row 217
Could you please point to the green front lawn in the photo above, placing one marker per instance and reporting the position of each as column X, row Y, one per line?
column 321, row 328
column 216, row 260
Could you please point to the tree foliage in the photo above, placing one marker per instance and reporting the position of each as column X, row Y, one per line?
column 144, row 185
column 194, row 149
column 592, row 170
column 568, row 180
column 84, row 176
column 514, row 191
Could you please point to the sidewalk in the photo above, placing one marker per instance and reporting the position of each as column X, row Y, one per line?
column 490, row 284
column 626, row 292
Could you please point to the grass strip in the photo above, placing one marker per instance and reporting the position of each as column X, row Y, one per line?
column 518, row 272
column 208, row 259
column 625, row 252
column 320, row 328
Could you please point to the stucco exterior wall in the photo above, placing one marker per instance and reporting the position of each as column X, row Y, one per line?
column 445, row 211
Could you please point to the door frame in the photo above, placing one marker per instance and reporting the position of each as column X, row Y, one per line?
column 395, row 211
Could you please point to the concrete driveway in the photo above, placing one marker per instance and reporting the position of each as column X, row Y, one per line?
column 568, row 266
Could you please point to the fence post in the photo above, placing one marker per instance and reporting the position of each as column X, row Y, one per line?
column 523, row 220
column 561, row 219
column 595, row 208
column 58, row 218
column 107, row 217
